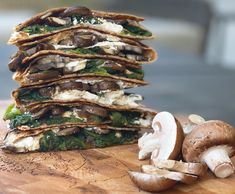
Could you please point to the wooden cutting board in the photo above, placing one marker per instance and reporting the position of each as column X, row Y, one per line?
column 90, row 171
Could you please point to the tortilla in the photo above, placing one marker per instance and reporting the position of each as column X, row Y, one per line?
column 21, row 75
column 50, row 139
column 22, row 94
column 108, row 46
column 35, row 124
column 20, row 36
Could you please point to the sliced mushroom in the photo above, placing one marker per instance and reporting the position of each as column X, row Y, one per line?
column 82, row 11
column 47, row 91
column 39, row 47
column 55, row 21
column 95, row 110
column 151, row 182
column 43, row 75
column 212, row 142
column 166, row 140
column 38, row 113
column 16, row 61
column 104, row 85
column 85, row 39
column 73, row 86
column 68, row 131
column 198, row 169
column 177, row 176
column 114, row 66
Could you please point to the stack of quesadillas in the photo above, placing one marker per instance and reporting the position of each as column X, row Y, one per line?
column 73, row 65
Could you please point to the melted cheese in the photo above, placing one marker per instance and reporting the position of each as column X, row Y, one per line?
column 75, row 66
column 110, row 47
column 146, row 122
column 24, row 144
column 108, row 98
column 109, row 27
column 105, row 25
column 74, row 95
column 57, row 46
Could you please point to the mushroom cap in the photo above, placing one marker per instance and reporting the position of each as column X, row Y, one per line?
column 171, row 135
column 206, row 135
column 151, row 182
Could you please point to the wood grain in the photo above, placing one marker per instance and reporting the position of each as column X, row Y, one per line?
column 90, row 171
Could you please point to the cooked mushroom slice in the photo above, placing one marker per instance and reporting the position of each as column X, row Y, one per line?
column 47, row 91
column 193, row 120
column 112, row 66
column 151, row 182
column 76, row 10
column 198, row 169
column 16, row 60
column 38, row 113
column 166, row 140
column 212, row 142
column 104, row 85
column 95, row 110
column 68, row 131
column 85, row 39
column 54, row 21
column 43, row 75
column 177, row 176
column 71, row 86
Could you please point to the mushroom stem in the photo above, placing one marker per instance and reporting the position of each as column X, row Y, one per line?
column 218, row 161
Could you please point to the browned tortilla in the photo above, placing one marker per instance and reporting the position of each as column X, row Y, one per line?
column 24, row 106
column 39, row 106
column 24, row 37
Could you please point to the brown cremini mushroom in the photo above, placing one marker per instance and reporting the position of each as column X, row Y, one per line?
column 151, row 182
column 177, row 176
column 198, row 169
column 166, row 140
column 212, row 142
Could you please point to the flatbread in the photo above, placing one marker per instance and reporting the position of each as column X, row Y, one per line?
column 22, row 37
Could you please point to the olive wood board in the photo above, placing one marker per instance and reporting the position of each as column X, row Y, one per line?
column 98, row 171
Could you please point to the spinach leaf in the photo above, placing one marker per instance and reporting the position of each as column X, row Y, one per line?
column 84, row 139
column 93, row 67
column 87, row 19
column 120, row 119
column 41, row 29
column 60, row 120
column 11, row 112
column 137, row 74
column 31, row 95
column 27, row 119
column 24, row 119
column 50, row 141
column 135, row 30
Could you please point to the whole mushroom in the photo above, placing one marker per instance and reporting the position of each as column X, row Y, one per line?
column 166, row 140
column 212, row 142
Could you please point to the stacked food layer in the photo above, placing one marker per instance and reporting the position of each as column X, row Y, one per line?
column 73, row 65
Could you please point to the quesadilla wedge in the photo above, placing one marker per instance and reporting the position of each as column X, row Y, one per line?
column 51, row 66
column 66, row 138
column 59, row 19
column 87, row 42
column 105, row 92
column 80, row 113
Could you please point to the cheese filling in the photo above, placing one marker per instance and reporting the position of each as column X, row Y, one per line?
column 105, row 25
column 108, row 98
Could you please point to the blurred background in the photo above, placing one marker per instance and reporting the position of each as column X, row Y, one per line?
column 194, row 39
